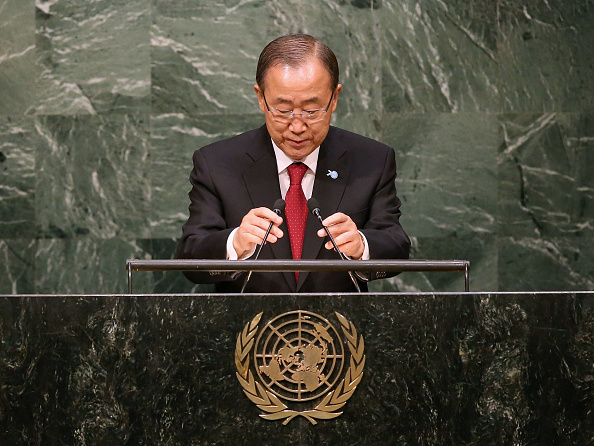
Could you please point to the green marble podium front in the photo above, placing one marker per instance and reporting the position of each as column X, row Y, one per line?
column 468, row 368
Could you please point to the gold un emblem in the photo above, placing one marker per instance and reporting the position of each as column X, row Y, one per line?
column 299, row 360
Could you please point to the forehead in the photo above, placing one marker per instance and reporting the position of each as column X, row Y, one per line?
column 309, row 78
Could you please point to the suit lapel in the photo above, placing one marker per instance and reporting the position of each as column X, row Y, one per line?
column 261, row 179
column 258, row 178
column 329, row 192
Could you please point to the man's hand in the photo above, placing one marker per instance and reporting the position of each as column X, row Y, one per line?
column 345, row 234
column 253, row 228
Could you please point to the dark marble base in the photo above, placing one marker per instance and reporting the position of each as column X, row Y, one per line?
column 442, row 369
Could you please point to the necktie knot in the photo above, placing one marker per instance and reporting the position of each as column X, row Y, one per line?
column 296, row 173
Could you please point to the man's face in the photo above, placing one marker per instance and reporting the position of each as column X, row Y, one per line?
column 306, row 87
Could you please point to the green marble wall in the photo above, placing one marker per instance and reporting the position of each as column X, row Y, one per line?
column 488, row 105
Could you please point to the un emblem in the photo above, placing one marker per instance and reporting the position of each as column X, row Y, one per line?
column 302, row 365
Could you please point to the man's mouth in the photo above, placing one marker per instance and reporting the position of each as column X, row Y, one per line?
column 297, row 143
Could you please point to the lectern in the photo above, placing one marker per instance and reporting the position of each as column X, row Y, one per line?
column 297, row 369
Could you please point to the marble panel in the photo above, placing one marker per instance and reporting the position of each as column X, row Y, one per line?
column 369, row 125
column 545, row 52
column 479, row 249
column 440, row 369
column 17, row 56
column 546, row 186
column 92, row 177
column 439, row 56
column 175, row 137
column 17, row 258
column 18, row 142
column 169, row 282
column 205, row 54
column 545, row 264
column 86, row 266
column 511, row 331
column 512, row 192
column 351, row 31
column 94, row 56
column 446, row 172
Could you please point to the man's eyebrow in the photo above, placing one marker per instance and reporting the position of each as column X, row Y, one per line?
column 312, row 100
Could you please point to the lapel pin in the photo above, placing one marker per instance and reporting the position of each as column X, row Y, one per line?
column 332, row 174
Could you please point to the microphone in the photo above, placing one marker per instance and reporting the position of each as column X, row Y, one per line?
column 314, row 208
column 278, row 208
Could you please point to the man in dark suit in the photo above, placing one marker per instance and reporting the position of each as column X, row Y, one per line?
column 296, row 155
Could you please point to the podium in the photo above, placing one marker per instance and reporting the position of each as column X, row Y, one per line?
column 441, row 368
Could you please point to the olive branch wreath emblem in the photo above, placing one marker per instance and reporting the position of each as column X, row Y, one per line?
column 272, row 405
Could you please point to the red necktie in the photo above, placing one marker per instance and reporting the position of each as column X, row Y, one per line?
column 296, row 210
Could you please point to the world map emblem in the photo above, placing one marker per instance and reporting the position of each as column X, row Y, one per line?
column 299, row 364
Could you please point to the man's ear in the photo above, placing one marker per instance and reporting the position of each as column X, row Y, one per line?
column 335, row 100
column 260, row 94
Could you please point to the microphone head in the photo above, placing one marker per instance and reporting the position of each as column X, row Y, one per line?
column 279, row 206
column 313, row 205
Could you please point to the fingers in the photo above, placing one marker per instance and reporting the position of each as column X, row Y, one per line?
column 337, row 219
column 253, row 228
column 345, row 234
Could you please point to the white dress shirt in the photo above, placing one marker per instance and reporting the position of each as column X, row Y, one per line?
column 307, row 184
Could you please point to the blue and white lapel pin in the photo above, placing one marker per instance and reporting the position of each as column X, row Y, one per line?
column 332, row 174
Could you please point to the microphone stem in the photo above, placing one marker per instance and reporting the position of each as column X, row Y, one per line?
column 249, row 275
column 263, row 241
column 342, row 256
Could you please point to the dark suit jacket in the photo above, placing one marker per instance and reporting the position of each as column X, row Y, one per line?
column 232, row 176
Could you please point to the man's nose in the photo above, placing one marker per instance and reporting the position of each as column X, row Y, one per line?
column 297, row 125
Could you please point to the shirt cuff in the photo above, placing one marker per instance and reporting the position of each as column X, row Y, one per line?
column 363, row 276
column 231, row 253
column 365, row 255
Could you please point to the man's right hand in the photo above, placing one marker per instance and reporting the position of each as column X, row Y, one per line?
column 253, row 228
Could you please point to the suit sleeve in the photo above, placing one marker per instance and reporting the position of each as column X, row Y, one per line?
column 205, row 234
column 383, row 231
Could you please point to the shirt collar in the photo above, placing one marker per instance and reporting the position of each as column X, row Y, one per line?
column 283, row 161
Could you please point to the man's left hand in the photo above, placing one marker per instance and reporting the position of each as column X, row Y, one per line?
column 345, row 234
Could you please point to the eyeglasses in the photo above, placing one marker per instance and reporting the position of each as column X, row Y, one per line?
column 307, row 115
